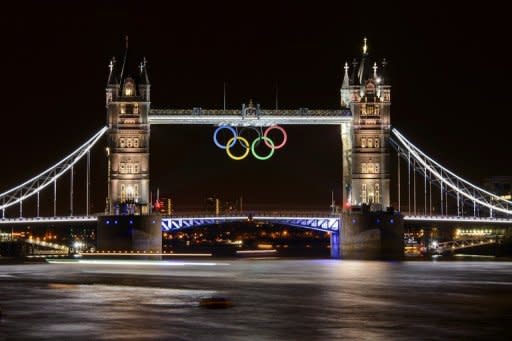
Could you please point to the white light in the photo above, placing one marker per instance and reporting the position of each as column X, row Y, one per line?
column 80, row 152
column 459, row 219
column 414, row 152
column 134, row 262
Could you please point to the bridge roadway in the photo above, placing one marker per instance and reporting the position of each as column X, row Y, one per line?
column 315, row 221
column 246, row 117
column 320, row 221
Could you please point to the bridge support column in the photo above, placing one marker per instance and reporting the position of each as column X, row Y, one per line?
column 335, row 245
column 346, row 142
column 126, row 233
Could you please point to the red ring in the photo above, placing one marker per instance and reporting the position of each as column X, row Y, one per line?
column 285, row 137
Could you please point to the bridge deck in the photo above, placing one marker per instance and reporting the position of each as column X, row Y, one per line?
column 237, row 118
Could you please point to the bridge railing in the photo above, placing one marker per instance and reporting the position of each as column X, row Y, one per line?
column 298, row 214
column 235, row 112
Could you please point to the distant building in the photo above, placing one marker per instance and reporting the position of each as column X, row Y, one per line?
column 499, row 185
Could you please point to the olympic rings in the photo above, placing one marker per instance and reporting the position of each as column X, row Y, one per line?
column 230, row 128
column 240, row 133
column 249, row 147
column 267, row 141
column 244, row 142
column 285, row 136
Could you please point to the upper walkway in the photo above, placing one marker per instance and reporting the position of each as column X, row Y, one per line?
column 249, row 117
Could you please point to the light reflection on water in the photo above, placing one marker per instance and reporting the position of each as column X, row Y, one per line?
column 273, row 300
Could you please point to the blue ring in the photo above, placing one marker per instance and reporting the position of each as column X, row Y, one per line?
column 217, row 131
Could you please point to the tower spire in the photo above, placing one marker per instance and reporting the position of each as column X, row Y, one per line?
column 365, row 46
column 346, row 82
column 111, row 75
column 375, row 70
column 125, row 56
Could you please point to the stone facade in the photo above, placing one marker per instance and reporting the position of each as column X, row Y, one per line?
column 368, row 96
column 128, row 103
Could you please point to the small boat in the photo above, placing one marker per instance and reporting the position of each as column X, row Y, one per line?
column 215, row 303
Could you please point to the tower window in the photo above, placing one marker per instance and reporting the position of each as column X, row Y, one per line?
column 129, row 142
column 363, row 193
column 370, row 143
column 123, row 193
column 136, row 109
column 122, row 142
column 364, row 168
column 377, row 142
column 122, row 109
column 129, row 87
column 377, row 193
column 363, row 142
column 135, row 142
column 377, row 168
column 371, row 168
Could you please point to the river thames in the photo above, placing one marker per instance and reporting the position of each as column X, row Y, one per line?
column 273, row 299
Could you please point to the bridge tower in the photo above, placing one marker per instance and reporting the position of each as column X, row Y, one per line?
column 128, row 223
column 127, row 103
column 368, row 96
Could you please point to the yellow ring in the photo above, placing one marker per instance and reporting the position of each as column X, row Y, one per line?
column 244, row 142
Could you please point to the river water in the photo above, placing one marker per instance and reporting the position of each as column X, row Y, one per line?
column 273, row 299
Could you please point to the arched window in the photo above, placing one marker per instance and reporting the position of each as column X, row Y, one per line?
column 129, row 87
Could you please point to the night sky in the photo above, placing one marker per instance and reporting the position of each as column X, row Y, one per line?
column 449, row 68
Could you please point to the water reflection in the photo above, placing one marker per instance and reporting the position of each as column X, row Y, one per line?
column 272, row 299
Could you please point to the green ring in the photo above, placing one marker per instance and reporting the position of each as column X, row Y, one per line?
column 267, row 140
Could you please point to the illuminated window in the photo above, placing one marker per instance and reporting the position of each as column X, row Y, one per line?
column 122, row 142
column 370, row 168
column 364, row 169
column 377, row 168
column 363, row 142
column 136, row 109
column 370, row 143
column 377, row 142
column 363, row 193
column 123, row 193
column 122, row 167
column 129, row 87
column 129, row 142
column 136, row 168
column 136, row 142
column 363, row 110
column 377, row 193
column 370, row 109
column 122, row 109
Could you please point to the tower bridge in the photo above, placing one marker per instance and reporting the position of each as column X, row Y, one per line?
column 366, row 136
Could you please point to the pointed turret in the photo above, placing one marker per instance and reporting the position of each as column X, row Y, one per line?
column 143, row 80
column 112, row 90
column 345, row 91
column 112, row 78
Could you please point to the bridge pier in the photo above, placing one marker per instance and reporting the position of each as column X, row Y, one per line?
column 372, row 235
column 335, row 245
column 127, row 233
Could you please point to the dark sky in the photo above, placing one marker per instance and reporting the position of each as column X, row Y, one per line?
column 450, row 70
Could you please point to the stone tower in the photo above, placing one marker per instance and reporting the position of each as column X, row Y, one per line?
column 127, row 103
column 368, row 96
